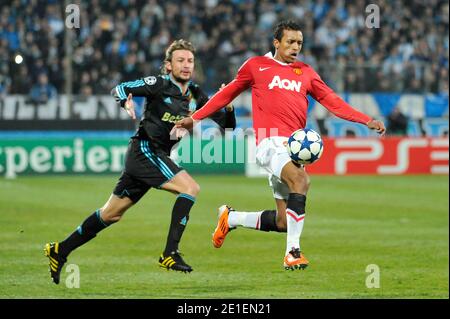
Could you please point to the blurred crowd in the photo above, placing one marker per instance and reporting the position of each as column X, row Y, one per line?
column 120, row 40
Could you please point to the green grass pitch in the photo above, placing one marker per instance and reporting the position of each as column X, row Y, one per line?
column 399, row 224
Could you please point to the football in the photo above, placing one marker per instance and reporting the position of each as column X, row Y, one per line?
column 305, row 146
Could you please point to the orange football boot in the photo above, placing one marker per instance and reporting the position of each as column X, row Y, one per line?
column 295, row 260
column 223, row 227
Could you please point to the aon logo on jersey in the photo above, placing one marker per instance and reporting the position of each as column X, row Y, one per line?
column 285, row 84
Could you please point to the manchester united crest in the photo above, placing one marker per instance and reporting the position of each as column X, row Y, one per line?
column 297, row 71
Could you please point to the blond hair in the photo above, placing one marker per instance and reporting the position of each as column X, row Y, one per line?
column 176, row 45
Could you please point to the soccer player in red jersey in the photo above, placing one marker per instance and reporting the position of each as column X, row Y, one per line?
column 280, row 85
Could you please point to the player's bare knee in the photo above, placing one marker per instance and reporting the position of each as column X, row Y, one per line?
column 112, row 215
column 193, row 189
column 281, row 221
column 113, row 219
column 298, row 181
column 197, row 189
column 281, row 225
column 308, row 181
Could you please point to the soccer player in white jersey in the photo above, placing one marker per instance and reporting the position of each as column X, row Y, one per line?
column 280, row 85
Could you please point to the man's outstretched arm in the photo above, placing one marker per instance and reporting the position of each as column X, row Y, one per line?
column 224, row 97
column 336, row 105
column 342, row 109
column 218, row 101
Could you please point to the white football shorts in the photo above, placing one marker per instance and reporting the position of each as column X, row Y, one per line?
column 272, row 155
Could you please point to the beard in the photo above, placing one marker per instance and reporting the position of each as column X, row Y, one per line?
column 180, row 80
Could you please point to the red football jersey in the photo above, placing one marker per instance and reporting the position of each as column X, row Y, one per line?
column 279, row 96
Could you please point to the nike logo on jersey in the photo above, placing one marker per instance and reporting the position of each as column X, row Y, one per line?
column 285, row 84
column 263, row 69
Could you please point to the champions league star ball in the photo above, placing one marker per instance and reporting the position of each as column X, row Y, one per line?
column 305, row 146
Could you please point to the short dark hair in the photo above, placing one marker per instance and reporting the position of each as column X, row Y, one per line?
column 176, row 45
column 285, row 25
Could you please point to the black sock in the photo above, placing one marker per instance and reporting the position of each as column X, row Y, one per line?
column 84, row 233
column 296, row 203
column 180, row 216
column 269, row 220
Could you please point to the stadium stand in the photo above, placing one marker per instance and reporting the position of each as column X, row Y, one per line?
column 403, row 64
column 122, row 40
